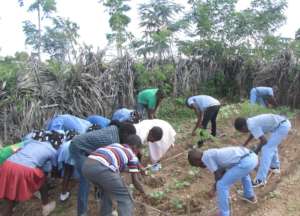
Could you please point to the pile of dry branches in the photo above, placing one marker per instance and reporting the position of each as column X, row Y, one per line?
column 284, row 76
column 86, row 88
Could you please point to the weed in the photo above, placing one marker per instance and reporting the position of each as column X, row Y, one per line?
column 158, row 195
column 177, row 203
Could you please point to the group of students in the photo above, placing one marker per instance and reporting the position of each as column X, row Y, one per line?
column 99, row 149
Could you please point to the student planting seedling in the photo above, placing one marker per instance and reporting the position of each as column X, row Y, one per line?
column 258, row 126
column 263, row 96
column 206, row 109
column 229, row 165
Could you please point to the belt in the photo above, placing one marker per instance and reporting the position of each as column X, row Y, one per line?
column 280, row 123
column 246, row 155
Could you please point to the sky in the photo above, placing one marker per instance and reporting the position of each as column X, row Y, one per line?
column 93, row 21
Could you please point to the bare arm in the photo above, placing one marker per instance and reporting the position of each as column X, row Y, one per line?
column 263, row 141
column 137, row 184
column 248, row 140
column 199, row 120
column 151, row 113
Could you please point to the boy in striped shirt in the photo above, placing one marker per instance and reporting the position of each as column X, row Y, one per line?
column 103, row 168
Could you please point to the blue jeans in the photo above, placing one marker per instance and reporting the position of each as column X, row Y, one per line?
column 254, row 98
column 111, row 185
column 269, row 152
column 84, row 187
column 141, row 109
column 238, row 172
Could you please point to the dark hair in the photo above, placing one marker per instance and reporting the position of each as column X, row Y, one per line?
column 55, row 138
column 93, row 127
column 240, row 123
column 160, row 93
column 125, row 129
column 133, row 140
column 194, row 155
column 70, row 134
column 186, row 102
column 156, row 133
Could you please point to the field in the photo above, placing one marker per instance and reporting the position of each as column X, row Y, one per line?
column 179, row 189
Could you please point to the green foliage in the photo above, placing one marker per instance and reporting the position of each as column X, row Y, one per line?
column 157, row 20
column 246, row 109
column 158, row 195
column 118, row 22
column 157, row 76
column 178, row 184
column 59, row 40
column 177, row 203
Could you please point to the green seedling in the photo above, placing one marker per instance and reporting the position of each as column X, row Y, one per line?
column 157, row 195
column 177, row 203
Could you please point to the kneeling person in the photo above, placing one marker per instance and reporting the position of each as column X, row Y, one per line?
column 103, row 168
column 229, row 165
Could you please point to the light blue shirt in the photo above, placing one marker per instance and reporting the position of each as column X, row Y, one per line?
column 99, row 120
column 262, row 124
column 68, row 122
column 122, row 115
column 36, row 154
column 264, row 91
column 203, row 102
column 223, row 157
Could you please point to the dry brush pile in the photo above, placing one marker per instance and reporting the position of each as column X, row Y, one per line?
column 94, row 87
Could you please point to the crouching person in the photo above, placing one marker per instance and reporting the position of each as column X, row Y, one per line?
column 23, row 173
column 229, row 165
column 103, row 168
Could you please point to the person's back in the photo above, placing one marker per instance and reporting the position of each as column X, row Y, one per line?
column 68, row 122
column 122, row 115
column 98, row 120
column 203, row 101
column 148, row 97
column 264, row 123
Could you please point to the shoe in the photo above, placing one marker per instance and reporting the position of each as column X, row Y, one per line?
column 64, row 196
column 252, row 200
column 258, row 183
column 47, row 209
column 156, row 167
column 275, row 170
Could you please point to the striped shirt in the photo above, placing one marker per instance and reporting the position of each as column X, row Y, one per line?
column 117, row 157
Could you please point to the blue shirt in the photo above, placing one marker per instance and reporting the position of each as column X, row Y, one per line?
column 36, row 155
column 203, row 102
column 68, row 122
column 99, row 120
column 264, row 91
column 262, row 124
column 123, row 115
column 223, row 157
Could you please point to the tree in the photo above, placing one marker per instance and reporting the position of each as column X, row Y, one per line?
column 60, row 39
column 118, row 23
column 43, row 8
column 157, row 20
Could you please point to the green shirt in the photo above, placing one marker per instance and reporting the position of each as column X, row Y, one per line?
column 148, row 97
column 7, row 151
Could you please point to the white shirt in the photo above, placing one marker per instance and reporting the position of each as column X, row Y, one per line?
column 203, row 102
column 262, row 124
column 158, row 148
column 223, row 157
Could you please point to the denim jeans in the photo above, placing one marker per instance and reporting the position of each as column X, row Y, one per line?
column 238, row 172
column 84, row 187
column 269, row 152
column 255, row 98
column 142, row 110
column 111, row 186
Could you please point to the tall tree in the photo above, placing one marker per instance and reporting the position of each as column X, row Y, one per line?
column 33, row 32
column 158, row 19
column 60, row 39
column 118, row 23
